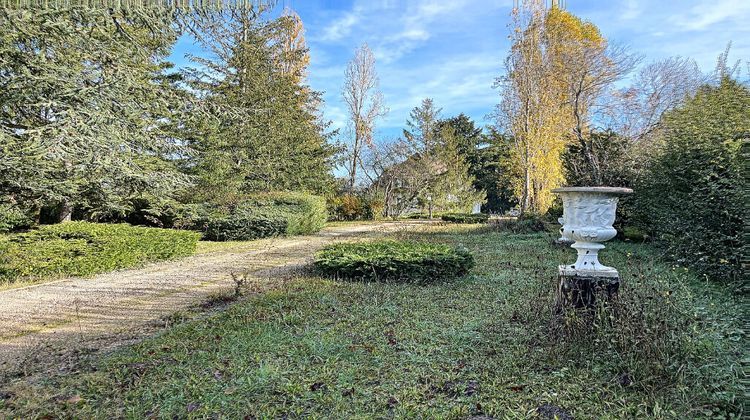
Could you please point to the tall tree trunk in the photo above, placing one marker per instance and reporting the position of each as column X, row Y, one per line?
column 355, row 158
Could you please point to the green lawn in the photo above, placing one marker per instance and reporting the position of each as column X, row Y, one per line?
column 480, row 345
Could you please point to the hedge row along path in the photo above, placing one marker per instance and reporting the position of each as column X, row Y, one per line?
column 51, row 325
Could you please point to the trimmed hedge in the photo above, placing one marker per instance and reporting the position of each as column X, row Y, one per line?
column 243, row 226
column 465, row 217
column 82, row 248
column 525, row 224
column 257, row 216
column 393, row 261
column 420, row 216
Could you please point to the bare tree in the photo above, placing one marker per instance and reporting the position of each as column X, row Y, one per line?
column 657, row 88
column 378, row 163
column 592, row 73
column 365, row 105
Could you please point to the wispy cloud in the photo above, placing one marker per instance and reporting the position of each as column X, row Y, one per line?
column 451, row 50
column 341, row 27
column 632, row 10
column 704, row 16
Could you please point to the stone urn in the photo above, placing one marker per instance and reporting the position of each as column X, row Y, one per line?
column 588, row 216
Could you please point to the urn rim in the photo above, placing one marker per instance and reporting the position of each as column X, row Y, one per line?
column 599, row 190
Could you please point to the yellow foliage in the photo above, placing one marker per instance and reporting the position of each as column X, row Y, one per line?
column 546, row 54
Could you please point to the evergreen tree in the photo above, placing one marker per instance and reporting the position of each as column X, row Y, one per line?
column 84, row 109
column 486, row 156
column 259, row 129
column 441, row 161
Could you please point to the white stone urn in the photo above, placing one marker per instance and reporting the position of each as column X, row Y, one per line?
column 588, row 215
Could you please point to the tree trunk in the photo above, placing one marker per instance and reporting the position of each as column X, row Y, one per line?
column 588, row 154
column 526, row 202
column 65, row 210
column 355, row 157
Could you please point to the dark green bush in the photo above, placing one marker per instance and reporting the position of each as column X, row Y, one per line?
column 465, row 217
column 13, row 218
column 393, row 261
column 256, row 216
column 82, row 248
column 694, row 196
column 421, row 215
column 244, row 226
column 524, row 224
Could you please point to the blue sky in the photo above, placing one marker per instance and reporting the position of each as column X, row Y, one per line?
column 452, row 50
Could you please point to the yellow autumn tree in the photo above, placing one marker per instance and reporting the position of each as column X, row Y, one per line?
column 531, row 110
column 558, row 66
column 586, row 66
column 292, row 54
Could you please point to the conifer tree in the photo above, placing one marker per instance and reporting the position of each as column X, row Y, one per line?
column 84, row 109
column 260, row 130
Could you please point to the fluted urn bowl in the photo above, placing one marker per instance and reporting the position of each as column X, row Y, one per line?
column 588, row 216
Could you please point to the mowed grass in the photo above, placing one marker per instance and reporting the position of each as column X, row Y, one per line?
column 316, row 348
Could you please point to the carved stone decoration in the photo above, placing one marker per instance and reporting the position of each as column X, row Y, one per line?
column 563, row 240
column 588, row 215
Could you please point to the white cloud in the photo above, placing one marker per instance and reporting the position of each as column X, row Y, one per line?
column 341, row 27
column 703, row 16
column 632, row 10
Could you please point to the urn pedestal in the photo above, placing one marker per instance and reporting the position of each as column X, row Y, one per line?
column 588, row 216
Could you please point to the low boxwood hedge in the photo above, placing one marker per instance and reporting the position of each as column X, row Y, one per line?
column 82, row 248
column 393, row 261
column 520, row 225
column 257, row 216
column 465, row 217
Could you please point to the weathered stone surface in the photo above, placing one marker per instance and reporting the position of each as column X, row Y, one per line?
column 588, row 216
column 580, row 290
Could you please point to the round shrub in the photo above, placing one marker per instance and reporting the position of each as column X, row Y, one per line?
column 465, row 217
column 393, row 261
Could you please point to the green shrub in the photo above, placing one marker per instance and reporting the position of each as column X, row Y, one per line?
column 244, row 226
column 350, row 206
column 256, row 216
column 465, row 217
column 393, row 261
column 634, row 233
column 422, row 215
column 13, row 218
column 82, row 248
column 524, row 224
column 693, row 199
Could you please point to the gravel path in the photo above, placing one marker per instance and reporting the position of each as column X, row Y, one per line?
column 52, row 325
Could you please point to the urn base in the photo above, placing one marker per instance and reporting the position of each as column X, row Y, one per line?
column 584, row 288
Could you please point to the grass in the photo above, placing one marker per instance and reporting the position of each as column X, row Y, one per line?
column 322, row 349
